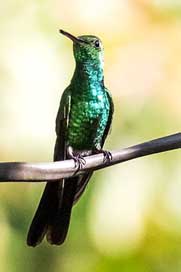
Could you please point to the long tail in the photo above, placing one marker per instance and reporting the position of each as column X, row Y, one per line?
column 45, row 212
column 53, row 214
column 58, row 227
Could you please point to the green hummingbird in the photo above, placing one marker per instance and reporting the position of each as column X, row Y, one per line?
column 82, row 124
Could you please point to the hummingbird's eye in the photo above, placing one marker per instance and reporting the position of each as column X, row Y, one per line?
column 97, row 43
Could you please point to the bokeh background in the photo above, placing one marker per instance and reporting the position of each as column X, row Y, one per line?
column 129, row 219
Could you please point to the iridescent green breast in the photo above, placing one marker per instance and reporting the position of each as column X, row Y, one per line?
column 88, row 119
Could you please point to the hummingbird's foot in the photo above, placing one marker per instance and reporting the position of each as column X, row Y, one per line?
column 107, row 155
column 77, row 157
column 79, row 162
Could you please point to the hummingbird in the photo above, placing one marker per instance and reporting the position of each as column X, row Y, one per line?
column 82, row 125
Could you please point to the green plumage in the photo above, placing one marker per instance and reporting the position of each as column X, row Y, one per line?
column 82, row 124
column 89, row 113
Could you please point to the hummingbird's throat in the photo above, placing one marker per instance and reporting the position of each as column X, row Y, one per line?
column 88, row 74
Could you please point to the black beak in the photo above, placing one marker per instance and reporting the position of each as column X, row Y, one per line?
column 70, row 36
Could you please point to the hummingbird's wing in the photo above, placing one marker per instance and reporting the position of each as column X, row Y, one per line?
column 53, row 193
column 71, row 191
column 81, row 185
column 111, row 111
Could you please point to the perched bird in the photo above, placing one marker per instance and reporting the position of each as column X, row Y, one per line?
column 82, row 124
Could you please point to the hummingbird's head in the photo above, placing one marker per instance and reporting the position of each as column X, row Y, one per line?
column 87, row 48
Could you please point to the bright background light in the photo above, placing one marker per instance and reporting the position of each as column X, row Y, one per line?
column 129, row 218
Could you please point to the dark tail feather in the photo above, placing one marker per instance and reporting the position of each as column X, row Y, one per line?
column 58, row 228
column 52, row 217
column 46, row 210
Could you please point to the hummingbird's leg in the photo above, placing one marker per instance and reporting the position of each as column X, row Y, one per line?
column 77, row 157
column 107, row 155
